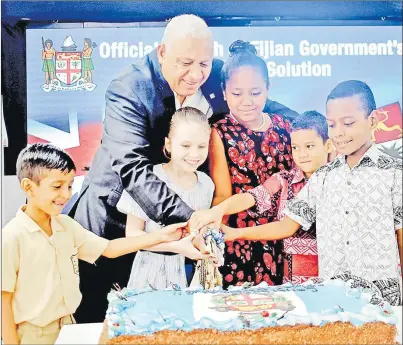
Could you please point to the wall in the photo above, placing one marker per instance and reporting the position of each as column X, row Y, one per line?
column 11, row 198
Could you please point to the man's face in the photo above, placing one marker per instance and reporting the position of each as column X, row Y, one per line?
column 308, row 150
column 349, row 127
column 186, row 63
column 53, row 191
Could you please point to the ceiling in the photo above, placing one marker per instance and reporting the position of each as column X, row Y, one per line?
column 131, row 11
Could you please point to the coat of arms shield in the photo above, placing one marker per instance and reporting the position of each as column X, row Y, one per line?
column 68, row 67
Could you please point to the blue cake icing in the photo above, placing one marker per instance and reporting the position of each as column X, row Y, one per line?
column 147, row 312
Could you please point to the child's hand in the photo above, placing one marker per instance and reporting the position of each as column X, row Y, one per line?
column 173, row 232
column 230, row 234
column 202, row 218
column 198, row 240
column 188, row 249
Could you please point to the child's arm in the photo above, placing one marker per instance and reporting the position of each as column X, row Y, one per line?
column 219, row 169
column 214, row 216
column 8, row 326
column 262, row 195
column 90, row 246
column 397, row 199
column 266, row 232
column 300, row 212
column 399, row 244
column 126, row 245
column 10, row 266
column 134, row 226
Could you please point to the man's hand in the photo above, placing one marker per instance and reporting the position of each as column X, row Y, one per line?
column 173, row 232
column 188, row 249
column 230, row 234
column 202, row 218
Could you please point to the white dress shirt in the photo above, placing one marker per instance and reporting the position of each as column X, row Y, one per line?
column 357, row 212
column 197, row 101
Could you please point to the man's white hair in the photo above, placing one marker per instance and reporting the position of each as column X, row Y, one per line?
column 186, row 25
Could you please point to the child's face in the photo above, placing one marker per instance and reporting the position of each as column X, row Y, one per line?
column 246, row 94
column 349, row 127
column 308, row 150
column 188, row 145
column 52, row 192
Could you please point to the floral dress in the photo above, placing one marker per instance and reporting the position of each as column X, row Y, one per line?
column 252, row 158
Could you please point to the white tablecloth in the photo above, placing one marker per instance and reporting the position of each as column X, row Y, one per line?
column 84, row 333
column 89, row 333
column 398, row 311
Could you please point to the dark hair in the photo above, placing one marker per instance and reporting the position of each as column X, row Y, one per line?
column 37, row 157
column 49, row 41
column 351, row 88
column 311, row 120
column 243, row 54
column 90, row 43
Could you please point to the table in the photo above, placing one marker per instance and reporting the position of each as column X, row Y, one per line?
column 84, row 333
column 89, row 333
column 398, row 311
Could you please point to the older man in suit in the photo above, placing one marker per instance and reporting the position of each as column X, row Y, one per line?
column 140, row 103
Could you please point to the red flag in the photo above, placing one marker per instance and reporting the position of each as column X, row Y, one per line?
column 390, row 123
column 90, row 140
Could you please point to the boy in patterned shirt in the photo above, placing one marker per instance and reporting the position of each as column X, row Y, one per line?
column 310, row 150
column 356, row 200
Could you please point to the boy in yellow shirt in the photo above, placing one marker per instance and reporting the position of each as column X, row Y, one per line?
column 41, row 248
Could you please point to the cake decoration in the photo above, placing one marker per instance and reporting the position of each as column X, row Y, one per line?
column 241, row 308
column 207, row 274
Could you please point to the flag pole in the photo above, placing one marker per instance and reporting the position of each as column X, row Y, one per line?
column 47, row 62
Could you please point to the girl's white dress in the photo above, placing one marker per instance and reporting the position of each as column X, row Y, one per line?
column 151, row 269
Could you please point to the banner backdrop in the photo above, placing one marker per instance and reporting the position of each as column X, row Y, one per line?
column 67, row 81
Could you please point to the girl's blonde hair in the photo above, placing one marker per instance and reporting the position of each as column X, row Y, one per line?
column 188, row 114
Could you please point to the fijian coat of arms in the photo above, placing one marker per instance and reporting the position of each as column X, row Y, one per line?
column 68, row 69
column 252, row 307
column 251, row 302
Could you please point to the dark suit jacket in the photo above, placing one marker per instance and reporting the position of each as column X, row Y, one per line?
column 139, row 107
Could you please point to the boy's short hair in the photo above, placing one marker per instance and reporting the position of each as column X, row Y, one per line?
column 37, row 157
column 351, row 88
column 311, row 120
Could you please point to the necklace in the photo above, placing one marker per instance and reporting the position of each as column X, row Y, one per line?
column 262, row 125
column 253, row 129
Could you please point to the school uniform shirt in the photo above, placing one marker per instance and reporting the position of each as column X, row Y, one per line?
column 357, row 212
column 42, row 271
